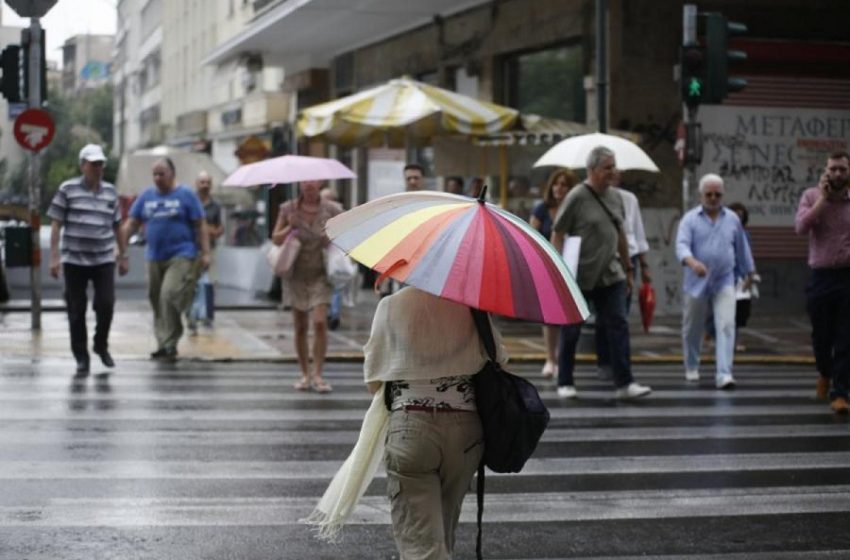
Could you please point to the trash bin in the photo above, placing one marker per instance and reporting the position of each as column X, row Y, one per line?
column 18, row 246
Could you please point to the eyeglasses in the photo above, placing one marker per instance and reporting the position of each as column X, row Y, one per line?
column 712, row 194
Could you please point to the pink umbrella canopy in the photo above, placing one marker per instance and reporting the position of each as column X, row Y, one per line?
column 288, row 169
column 464, row 250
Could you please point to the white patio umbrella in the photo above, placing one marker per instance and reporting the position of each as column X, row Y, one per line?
column 401, row 112
column 573, row 152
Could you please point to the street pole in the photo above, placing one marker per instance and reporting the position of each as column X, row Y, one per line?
column 689, row 37
column 34, row 63
column 601, row 65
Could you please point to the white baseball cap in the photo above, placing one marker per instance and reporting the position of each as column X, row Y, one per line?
column 92, row 152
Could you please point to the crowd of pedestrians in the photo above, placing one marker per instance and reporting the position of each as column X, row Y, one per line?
column 88, row 245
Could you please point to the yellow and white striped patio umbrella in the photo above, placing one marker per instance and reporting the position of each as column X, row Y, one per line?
column 402, row 111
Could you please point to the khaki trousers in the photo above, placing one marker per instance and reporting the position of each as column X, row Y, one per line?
column 430, row 458
column 171, row 287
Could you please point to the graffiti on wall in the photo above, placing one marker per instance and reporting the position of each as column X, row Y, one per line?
column 769, row 156
column 661, row 225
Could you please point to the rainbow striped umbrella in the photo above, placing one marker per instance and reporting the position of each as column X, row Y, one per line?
column 464, row 250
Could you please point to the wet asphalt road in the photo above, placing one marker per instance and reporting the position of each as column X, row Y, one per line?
column 220, row 461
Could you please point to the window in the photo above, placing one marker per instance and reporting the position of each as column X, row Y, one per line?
column 547, row 82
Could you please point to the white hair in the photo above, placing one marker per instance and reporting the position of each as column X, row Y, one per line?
column 710, row 178
column 596, row 155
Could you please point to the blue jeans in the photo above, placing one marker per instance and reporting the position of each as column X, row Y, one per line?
column 694, row 311
column 603, row 361
column 610, row 305
column 828, row 304
column 336, row 304
column 201, row 308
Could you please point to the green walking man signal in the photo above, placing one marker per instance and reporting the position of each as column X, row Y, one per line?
column 693, row 75
column 695, row 88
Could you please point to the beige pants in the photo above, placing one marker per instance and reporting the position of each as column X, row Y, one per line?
column 431, row 458
column 171, row 287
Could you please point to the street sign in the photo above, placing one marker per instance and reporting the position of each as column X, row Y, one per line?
column 31, row 8
column 34, row 129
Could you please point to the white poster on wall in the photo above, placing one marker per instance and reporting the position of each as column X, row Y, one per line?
column 386, row 172
column 768, row 156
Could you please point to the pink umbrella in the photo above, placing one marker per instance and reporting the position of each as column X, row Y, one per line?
column 288, row 169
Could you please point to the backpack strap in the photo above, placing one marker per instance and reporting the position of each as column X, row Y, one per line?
column 482, row 325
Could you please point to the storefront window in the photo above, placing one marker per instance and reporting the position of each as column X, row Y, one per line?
column 547, row 82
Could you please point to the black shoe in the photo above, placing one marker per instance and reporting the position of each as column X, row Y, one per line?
column 165, row 355
column 159, row 354
column 105, row 357
column 82, row 367
column 333, row 323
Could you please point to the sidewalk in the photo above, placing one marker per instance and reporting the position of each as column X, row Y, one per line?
column 251, row 329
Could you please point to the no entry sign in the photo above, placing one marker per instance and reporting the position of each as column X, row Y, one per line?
column 34, row 129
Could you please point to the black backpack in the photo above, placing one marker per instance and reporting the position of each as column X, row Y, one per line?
column 512, row 413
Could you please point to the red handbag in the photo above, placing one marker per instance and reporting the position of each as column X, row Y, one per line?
column 646, row 298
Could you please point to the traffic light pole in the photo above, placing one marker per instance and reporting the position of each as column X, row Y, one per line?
column 689, row 37
column 35, row 96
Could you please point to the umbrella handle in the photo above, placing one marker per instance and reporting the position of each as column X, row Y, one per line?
column 482, row 196
column 386, row 274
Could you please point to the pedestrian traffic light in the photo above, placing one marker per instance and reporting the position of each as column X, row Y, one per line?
column 692, row 75
column 718, row 82
column 10, row 84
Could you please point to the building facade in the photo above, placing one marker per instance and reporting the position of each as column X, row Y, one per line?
column 86, row 62
column 137, row 71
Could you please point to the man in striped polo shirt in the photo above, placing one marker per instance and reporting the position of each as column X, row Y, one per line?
column 85, row 210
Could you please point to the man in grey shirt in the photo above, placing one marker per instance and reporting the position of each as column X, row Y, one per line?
column 595, row 213
column 86, row 212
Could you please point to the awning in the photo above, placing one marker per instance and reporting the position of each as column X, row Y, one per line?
column 302, row 34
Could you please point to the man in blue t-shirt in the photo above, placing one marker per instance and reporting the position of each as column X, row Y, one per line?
column 177, row 249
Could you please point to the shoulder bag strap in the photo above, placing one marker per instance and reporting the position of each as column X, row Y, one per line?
column 480, row 515
column 482, row 325
column 617, row 223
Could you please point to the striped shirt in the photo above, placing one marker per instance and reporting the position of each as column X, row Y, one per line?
column 88, row 219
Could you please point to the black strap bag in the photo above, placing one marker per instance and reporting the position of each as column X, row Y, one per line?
column 512, row 413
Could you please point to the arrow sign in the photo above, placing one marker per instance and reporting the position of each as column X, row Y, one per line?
column 34, row 129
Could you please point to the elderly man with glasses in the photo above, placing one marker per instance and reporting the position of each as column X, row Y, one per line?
column 712, row 246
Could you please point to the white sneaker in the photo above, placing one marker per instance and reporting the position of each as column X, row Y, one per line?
column 633, row 391
column 567, row 392
column 691, row 375
column 549, row 369
column 725, row 381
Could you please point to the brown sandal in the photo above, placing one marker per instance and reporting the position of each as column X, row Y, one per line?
column 321, row 386
column 302, row 384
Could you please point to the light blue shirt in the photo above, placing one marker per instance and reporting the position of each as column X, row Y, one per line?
column 720, row 245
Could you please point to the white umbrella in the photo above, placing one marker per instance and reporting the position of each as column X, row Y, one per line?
column 573, row 152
